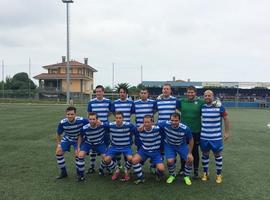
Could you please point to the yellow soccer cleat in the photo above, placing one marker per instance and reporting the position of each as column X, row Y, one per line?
column 205, row 176
column 218, row 179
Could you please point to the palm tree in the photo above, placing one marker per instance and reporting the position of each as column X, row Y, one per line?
column 122, row 85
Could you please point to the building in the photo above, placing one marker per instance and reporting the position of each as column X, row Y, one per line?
column 54, row 82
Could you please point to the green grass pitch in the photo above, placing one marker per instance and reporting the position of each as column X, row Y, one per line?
column 28, row 166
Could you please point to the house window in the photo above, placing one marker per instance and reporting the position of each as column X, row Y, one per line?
column 79, row 71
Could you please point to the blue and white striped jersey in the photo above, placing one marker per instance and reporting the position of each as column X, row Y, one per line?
column 143, row 108
column 94, row 135
column 126, row 107
column 71, row 130
column 212, row 122
column 165, row 107
column 101, row 107
column 121, row 136
column 175, row 136
column 150, row 140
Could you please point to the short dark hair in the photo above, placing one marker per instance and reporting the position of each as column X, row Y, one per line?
column 70, row 108
column 92, row 114
column 148, row 117
column 175, row 114
column 144, row 89
column 191, row 87
column 100, row 86
column 167, row 84
column 119, row 113
column 122, row 88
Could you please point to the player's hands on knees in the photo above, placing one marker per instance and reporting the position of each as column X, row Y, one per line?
column 77, row 152
column 59, row 150
column 190, row 158
column 226, row 135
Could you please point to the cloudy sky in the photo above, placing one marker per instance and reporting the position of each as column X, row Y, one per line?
column 209, row 40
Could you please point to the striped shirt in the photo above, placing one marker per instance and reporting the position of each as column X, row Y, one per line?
column 143, row 108
column 71, row 130
column 165, row 107
column 121, row 136
column 212, row 122
column 150, row 140
column 94, row 135
column 126, row 107
column 101, row 107
column 176, row 136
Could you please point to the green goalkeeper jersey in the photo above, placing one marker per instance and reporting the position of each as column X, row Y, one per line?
column 191, row 113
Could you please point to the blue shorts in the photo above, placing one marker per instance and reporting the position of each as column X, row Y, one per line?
column 100, row 148
column 215, row 145
column 113, row 151
column 65, row 145
column 172, row 150
column 155, row 156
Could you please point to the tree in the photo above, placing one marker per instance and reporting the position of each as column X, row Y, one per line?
column 122, row 85
column 20, row 81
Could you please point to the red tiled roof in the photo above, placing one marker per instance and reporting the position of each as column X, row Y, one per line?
column 72, row 63
column 46, row 76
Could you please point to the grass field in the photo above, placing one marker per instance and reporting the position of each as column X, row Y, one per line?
column 28, row 167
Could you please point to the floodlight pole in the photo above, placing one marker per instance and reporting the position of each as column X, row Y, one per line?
column 68, row 66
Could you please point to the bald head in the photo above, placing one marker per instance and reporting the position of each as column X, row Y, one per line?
column 208, row 96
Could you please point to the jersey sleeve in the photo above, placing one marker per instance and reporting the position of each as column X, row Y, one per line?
column 188, row 134
column 113, row 107
column 132, row 111
column 154, row 107
column 178, row 102
column 107, row 139
column 223, row 112
column 89, row 108
column 82, row 132
column 60, row 129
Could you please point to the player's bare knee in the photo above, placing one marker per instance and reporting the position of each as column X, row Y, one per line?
column 170, row 161
column 107, row 159
column 81, row 154
column 59, row 152
column 135, row 160
column 161, row 167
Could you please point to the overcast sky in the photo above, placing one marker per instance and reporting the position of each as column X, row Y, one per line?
column 209, row 40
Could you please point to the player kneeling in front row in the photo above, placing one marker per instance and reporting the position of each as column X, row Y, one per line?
column 176, row 135
column 92, row 138
column 70, row 128
column 121, row 140
column 211, row 134
column 150, row 139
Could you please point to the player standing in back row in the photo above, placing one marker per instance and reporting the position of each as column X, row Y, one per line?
column 211, row 134
column 102, row 107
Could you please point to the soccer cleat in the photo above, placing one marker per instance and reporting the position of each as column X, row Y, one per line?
column 100, row 172
column 187, row 180
column 205, row 176
column 196, row 175
column 126, row 177
column 80, row 179
column 116, row 175
column 91, row 170
column 218, row 178
column 62, row 175
column 170, row 179
column 139, row 181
